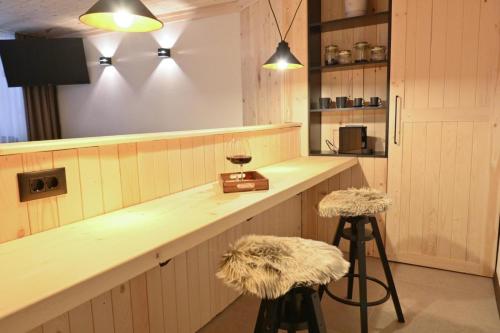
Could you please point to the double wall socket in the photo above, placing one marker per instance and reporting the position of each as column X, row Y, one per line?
column 41, row 184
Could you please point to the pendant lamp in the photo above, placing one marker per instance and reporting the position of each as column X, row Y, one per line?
column 283, row 58
column 121, row 15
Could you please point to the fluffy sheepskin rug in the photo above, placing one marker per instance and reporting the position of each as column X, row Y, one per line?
column 268, row 266
column 354, row 202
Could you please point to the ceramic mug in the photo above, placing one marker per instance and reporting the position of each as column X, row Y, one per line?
column 325, row 102
column 341, row 102
column 358, row 103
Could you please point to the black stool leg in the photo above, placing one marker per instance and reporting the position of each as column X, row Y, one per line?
column 352, row 261
column 335, row 242
column 316, row 322
column 387, row 269
column 360, row 244
column 268, row 319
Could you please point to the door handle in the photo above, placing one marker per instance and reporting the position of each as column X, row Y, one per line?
column 397, row 122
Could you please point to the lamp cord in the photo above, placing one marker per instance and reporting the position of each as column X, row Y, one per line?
column 276, row 20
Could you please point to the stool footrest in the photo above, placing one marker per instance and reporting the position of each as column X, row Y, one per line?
column 354, row 303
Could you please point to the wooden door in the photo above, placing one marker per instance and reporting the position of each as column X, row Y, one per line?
column 441, row 173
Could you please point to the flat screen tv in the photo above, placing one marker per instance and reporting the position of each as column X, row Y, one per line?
column 33, row 62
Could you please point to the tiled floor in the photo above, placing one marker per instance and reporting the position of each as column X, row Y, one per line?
column 432, row 300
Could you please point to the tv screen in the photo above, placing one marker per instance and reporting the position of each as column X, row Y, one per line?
column 33, row 62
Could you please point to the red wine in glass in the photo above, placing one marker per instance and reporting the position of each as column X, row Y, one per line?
column 239, row 153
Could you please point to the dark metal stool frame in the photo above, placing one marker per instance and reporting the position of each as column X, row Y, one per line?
column 358, row 235
column 298, row 309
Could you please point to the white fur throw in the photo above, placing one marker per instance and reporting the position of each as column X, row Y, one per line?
column 269, row 266
column 354, row 202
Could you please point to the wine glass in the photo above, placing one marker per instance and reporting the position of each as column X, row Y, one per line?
column 239, row 153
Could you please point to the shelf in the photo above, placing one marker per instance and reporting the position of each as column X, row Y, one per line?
column 364, row 108
column 351, row 22
column 377, row 154
column 330, row 68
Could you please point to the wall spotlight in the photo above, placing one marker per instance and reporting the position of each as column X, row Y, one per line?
column 105, row 61
column 163, row 53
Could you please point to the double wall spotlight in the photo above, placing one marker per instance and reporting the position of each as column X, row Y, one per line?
column 105, row 61
column 164, row 53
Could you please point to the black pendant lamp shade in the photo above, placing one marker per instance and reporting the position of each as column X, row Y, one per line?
column 121, row 15
column 283, row 59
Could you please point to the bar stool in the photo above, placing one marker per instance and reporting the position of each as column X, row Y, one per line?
column 358, row 207
column 281, row 271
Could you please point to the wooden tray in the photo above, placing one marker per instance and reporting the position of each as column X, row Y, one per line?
column 253, row 181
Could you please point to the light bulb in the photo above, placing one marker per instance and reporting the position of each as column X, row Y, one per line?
column 123, row 19
column 282, row 64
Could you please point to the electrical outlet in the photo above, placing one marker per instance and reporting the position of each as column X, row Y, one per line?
column 41, row 184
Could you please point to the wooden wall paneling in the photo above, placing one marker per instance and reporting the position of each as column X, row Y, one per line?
column 193, row 274
column 431, row 188
column 153, row 167
column 481, row 240
column 410, row 54
column 161, row 165
column 43, row 214
column 438, row 54
column 446, row 188
column 182, row 294
column 199, row 161
column 417, row 190
column 122, row 308
column 146, row 168
column 322, row 229
column 204, row 277
column 423, row 52
column 90, row 181
column 174, row 165
column 488, row 45
column 14, row 219
column 57, row 325
column 139, row 304
column 37, row 330
column 111, row 179
column 69, row 205
column 309, row 215
column 220, row 155
column 102, row 313
column 468, row 66
column 461, row 191
column 454, row 31
column 187, row 163
column 169, row 297
column 80, row 319
column 406, row 177
column 155, row 300
column 131, row 194
column 215, row 283
column 209, row 153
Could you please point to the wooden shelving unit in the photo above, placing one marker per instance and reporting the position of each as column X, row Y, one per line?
column 351, row 22
column 352, row 109
column 372, row 78
column 353, row 66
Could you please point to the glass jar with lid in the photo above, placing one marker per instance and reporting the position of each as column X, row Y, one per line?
column 378, row 53
column 361, row 52
column 345, row 57
column 331, row 54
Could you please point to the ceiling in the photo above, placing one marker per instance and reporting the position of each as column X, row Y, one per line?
column 59, row 17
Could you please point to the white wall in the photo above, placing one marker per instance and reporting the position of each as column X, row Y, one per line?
column 200, row 87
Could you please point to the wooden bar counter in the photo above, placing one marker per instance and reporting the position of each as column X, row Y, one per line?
column 54, row 271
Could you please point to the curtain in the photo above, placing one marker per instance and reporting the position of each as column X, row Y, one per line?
column 12, row 113
column 42, row 110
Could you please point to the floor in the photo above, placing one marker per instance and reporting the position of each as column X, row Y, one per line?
column 432, row 300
